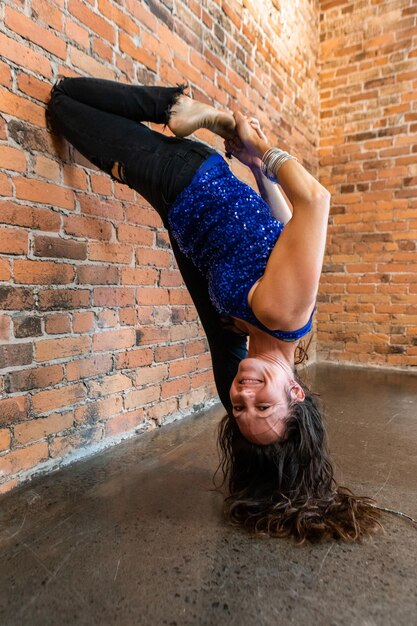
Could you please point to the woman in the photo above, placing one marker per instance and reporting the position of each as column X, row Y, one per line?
column 258, row 275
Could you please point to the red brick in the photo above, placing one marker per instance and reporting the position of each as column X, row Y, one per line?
column 183, row 366
column 142, row 14
column 118, row 17
column 113, row 296
column 30, row 30
column 5, row 76
column 43, row 193
column 77, row 33
column 110, row 384
column 5, row 326
column 5, row 439
column 49, row 349
column 179, row 296
column 12, row 355
column 35, row 378
column 159, row 411
column 134, row 358
column 155, row 374
column 158, row 258
column 88, row 65
column 74, row 177
column 107, row 318
column 13, row 409
column 88, row 227
column 59, row 248
column 57, row 324
column 5, row 272
column 63, row 299
column 151, row 295
column 98, row 410
column 109, row 209
column 175, row 387
column 169, row 353
column 27, row 326
column 47, row 168
column 114, row 340
column 22, row 215
column 137, row 276
column 101, row 184
column 102, row 50
column 83, row 322
column 128, row 316
column 138, row 53
column 170, row 278
column 92, row 20
column 80, row 369
column 63, row 446
column 44, row 401
column 15, row 298
column 6, row 189
column 42, row 272
column 23, row 459
column 97, row 275
column 201, row 379
column 152, row 334
column 12, row 159
column 135, row 234
column 110, row 252
column 13, row 241
column 124, row 422
column 25, row 57
column 196, row 347
column 40, row 428
column 143, row 216
column 141, row 397
column 48, row 13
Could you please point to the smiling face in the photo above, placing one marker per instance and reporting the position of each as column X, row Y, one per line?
column 259, row 395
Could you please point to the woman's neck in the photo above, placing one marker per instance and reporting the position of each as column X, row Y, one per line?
column 264, row 346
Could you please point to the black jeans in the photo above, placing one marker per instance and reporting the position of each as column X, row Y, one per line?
column 102, row 119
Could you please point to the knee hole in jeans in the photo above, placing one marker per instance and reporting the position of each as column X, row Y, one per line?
column 118, row 172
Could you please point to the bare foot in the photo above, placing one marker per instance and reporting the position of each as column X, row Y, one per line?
column 188, row 115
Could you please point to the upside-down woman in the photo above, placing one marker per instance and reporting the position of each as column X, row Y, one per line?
column 254, row 260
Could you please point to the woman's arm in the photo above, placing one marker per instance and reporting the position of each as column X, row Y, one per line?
column 285, row 296
column 273, row 196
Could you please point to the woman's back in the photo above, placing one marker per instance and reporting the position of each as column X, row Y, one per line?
column 227, row 230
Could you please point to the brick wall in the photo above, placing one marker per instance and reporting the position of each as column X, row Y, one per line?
column 368, row 158
column 97, row 333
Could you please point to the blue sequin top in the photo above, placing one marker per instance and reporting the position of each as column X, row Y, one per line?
column 228, row 232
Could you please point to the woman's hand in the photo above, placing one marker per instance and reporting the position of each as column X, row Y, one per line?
column 252, row 138
column 237, row 147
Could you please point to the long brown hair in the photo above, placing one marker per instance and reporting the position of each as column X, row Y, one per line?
column 288, row 488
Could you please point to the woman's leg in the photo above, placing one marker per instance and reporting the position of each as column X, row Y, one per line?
column 134, row 102
column 158, row 167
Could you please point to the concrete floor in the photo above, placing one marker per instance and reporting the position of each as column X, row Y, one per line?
column 135, row 536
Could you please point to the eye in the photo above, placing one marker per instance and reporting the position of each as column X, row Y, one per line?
column 263, row 408
column 237, row 408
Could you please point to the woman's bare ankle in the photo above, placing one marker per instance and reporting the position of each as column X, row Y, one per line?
column 189, row 115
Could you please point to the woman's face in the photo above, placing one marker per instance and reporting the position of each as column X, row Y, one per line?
column 259, row 396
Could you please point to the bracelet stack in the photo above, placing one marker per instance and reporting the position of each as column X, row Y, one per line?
column 272, row 161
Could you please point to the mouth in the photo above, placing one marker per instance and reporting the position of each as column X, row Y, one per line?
column 249, row 381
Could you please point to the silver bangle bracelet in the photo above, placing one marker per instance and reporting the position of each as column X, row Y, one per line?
column 272, row 161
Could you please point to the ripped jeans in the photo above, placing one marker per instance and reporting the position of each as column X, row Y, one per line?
column 102, row 119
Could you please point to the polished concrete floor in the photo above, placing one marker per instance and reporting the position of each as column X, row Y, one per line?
column 136, row 536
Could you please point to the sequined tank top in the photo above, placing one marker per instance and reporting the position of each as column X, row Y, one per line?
column 228, row 232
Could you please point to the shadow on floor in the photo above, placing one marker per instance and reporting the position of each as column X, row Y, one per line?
column 136, row 536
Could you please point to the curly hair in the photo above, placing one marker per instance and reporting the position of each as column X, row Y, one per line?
column 287, row 488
